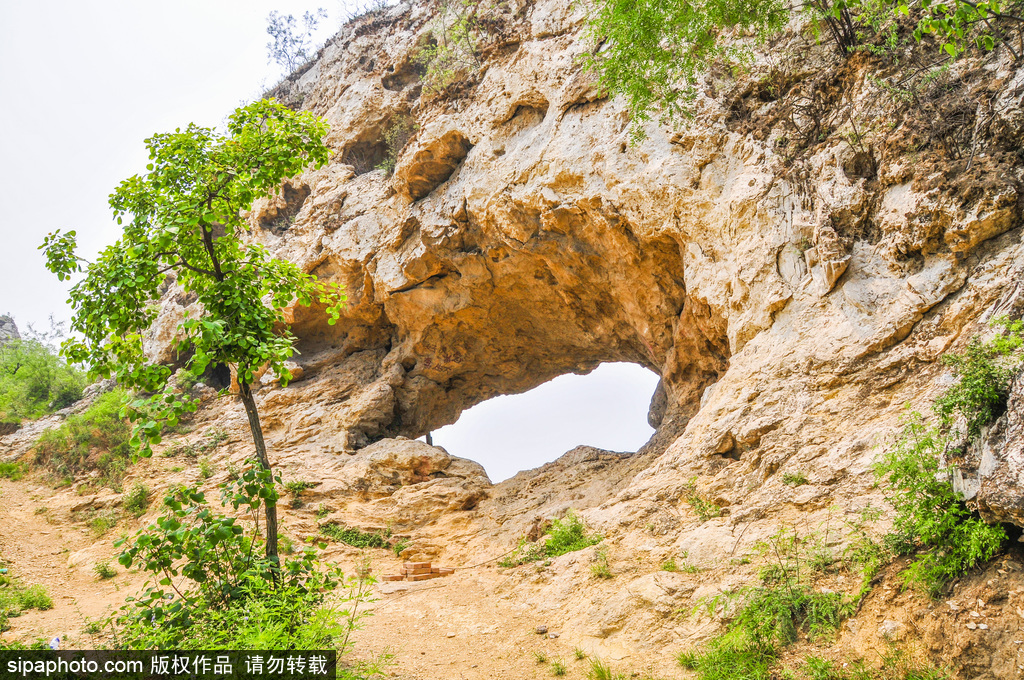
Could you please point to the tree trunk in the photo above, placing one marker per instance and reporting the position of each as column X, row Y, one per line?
column 245, row 392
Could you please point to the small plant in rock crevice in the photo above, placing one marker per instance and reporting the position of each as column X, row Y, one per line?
column 600, row 568
column 562, row 536
column 704, row 509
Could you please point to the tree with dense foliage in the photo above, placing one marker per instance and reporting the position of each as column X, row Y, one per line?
column 34, row 380
column 185, row 217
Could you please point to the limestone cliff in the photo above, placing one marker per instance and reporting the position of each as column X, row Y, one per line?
column 792, row 262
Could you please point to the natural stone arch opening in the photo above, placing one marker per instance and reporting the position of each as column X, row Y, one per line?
column 608, row 408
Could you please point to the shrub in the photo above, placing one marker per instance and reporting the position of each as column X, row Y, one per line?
column 457, row 32
column 930, row 515
column 297, row 486
column 794, row 478
column 16, row 597
column 984, row 372
column 136, row 501
column 654, row 52
column 103, row 570
column 768, row 616
column 73, row 447
column 565, row 535
column 291, row 46
column 206, row 468
column 396, row 136
column 101, row 524
column 224, row 593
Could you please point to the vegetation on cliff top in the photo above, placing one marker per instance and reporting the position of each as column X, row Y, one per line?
column 653, row 53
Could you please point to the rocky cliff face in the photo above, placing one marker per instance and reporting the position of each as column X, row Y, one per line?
column 793, row 297
column 792, row 262
column 8, row 329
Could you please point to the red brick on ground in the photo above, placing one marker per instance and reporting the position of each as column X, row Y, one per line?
column 420, row 577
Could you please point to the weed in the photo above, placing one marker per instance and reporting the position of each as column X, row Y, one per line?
column 233, row 472
column 35, row 597
column 399, row 546
column 103, row 570
column 355, row 537
column 206, row 468
column 541, row 657
column 703, row 508
column 557, row 668
column 136, row 501
column 600, row 567
column 579, row 654
column 12, row 471
column 42, row 510
column 94, row 627
column 669, row 565
column 599, row 670
column 794, row 478
column 322, row 511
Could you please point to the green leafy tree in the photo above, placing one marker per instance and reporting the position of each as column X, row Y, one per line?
column 652, row 51
column 184, row 216
column 35, row 381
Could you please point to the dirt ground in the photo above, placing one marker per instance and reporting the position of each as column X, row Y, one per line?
column 463, row 626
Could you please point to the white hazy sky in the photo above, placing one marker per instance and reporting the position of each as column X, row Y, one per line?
column 85, row 83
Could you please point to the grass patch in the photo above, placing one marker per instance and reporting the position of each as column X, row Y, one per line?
column 12, row 471
column 96, row 439
column 355, row 537
column 558, row 668
column 794, row 478
column 16, row 597
column 565, row 535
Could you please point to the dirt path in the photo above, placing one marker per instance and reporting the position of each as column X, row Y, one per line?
column 39, row 547
column 467, row 626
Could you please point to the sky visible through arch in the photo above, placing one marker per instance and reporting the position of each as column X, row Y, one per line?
column 85, row 83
